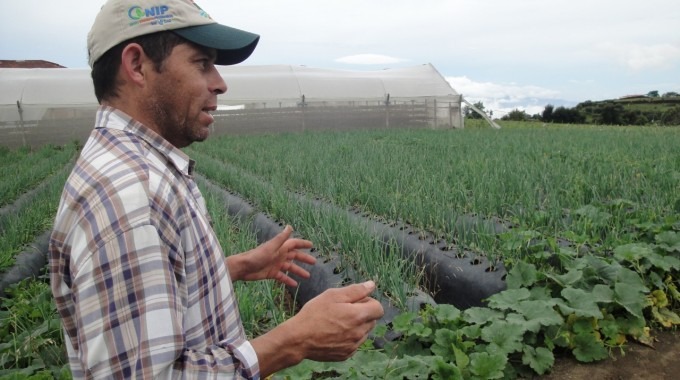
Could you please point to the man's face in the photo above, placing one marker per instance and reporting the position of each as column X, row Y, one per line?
column 183, row 93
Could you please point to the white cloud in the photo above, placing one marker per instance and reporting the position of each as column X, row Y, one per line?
column 503, row 98
column 369, row 59
column 653, row 57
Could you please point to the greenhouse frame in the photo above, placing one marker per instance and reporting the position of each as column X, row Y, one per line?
column 57, row 106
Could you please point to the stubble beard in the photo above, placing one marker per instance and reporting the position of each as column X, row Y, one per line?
column 175, row 130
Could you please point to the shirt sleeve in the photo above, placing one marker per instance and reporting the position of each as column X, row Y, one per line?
column 131, row 306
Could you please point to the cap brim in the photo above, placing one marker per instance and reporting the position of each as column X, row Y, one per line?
column 233, row 45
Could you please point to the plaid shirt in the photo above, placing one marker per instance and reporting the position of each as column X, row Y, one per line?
column 137, row 272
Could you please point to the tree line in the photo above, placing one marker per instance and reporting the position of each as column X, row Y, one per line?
column 650, row 109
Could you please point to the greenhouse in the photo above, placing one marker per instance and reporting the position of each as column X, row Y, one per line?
column 39, row 106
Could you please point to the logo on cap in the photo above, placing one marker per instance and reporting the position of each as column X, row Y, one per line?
column 154, row 15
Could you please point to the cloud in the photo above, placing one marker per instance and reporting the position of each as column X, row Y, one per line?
column 639, row 57
column 369, row 59
column 503, row 98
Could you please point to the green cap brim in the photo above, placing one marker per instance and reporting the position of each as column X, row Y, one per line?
column 233, row 45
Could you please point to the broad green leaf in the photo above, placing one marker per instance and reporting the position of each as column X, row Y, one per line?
column 487, row 366
column 508, row 299
column 603, row 293
column 632, row 278
column 665, row 263
column 522, row 274
column 539, row 313
column 633, row 252
column 371, row 364
column 403, row 321
column 303, row 371
column 631, row 297
column 444, row 344
column 507, row 336
column 588, row 348
column 669, row 241
column 445, row 313
column 579, row 302
column 411, row 367
column 584, row 326
column 567, row 279
column 446, row 371
column 598, row 269
column 540, row 359
column 481, row 315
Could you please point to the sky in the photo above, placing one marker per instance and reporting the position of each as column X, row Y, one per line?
column 508, row 54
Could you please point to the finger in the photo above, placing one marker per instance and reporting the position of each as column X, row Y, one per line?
column 353, row 293
column 278, row 240
column 296, row 243
column 286, row 280
column 298, row 271
column 370, row 309
column 303, row 257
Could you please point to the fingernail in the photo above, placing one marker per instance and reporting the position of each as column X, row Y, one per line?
column 369, row 285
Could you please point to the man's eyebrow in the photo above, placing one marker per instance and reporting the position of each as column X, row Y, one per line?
column 206, row 51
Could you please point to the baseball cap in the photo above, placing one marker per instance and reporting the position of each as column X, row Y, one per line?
column 120, row 20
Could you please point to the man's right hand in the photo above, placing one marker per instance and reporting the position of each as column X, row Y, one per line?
column 339, row 321
column 330, row 327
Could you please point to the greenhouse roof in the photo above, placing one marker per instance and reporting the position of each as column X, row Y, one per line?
column 73, row 87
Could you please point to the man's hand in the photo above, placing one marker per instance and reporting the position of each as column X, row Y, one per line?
column 272, row 260
column 330, row 327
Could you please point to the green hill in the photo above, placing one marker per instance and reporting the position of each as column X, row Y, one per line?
column 633, row 110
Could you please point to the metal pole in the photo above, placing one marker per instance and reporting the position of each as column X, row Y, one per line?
column 21, row 123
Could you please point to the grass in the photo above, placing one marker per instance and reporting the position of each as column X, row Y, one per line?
column 21, row 170
column 22, row 227
column 330, row 230
column 533, row 177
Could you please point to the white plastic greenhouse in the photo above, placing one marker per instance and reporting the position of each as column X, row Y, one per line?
column 39, row 106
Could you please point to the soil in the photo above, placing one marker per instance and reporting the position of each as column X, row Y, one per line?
column 639, row 362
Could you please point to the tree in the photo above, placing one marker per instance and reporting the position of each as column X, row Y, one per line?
column 671, row 116
column 567, row 116
column 547, row 115
column 470, row 114
column 516, row 115
column 653, row 94
column 610, row 114
column 671, row 94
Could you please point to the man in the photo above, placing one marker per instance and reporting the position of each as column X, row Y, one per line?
column 139, row 278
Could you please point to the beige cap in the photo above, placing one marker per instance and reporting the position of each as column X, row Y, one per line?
column 120, row 20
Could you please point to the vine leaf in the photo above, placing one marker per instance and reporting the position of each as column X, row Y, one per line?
column 411, row 367
column 522, row 274
column 630, row 297
column 540, row 359
column 588, row 348
column 580, row 303
column 481, row 315
column 537, row 314
column 505, row 335
column 508, row 299
column 488, row 366
column 669, row 241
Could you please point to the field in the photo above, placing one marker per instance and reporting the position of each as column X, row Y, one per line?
column 584, row 220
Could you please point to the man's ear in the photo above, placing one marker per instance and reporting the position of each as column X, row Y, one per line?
column 134, row 63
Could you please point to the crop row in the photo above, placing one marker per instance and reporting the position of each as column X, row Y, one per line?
column 21, row 170
column 534, row 178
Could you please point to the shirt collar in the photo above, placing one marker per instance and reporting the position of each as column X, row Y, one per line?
column 109, row 117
